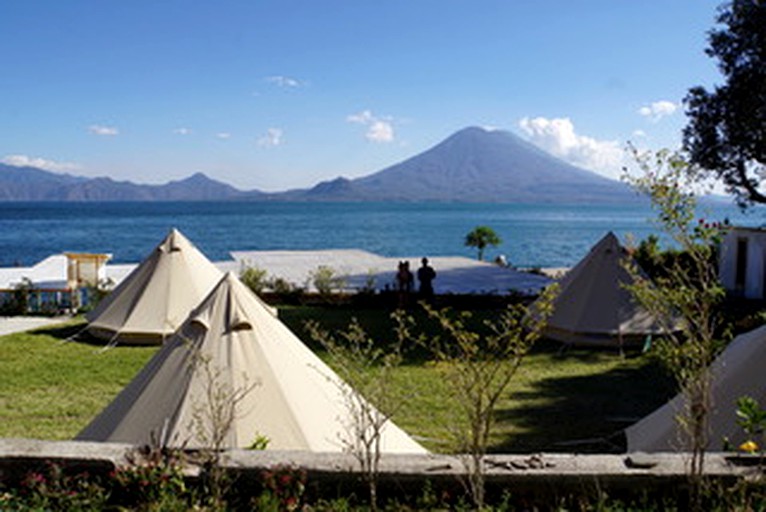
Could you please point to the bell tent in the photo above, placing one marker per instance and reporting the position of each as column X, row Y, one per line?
column 232, row 346
column 593, row 307
column 735, row 373
column 153, row 300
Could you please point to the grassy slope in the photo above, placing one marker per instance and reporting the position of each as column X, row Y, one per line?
column 51, row 390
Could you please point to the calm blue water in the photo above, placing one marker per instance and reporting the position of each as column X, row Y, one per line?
column 542, row 235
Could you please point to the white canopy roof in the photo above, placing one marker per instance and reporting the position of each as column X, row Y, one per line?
column 232, row 342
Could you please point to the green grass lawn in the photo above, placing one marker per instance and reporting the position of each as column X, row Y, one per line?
column 557, row 401
column 50, row 389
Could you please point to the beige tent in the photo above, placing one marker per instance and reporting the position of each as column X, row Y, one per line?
column 593, row 307
column 737, row 372
column 153, row 301
column 232, row 343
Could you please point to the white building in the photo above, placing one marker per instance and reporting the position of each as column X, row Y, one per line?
column 743, row 262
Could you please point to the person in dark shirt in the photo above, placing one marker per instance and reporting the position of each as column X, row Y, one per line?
column 426, row 276
column 404, row 280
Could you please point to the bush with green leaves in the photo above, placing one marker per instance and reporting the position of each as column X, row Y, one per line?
column 326, row 280
column 254, row 278
column 153, row 480
column 54, row 488
column 18, row 301
column 284, row 487
column 752, row 419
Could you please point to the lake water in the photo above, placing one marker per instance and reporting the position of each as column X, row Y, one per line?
column 533, row 234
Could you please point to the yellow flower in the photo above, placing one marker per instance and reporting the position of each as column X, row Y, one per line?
column 749, row 447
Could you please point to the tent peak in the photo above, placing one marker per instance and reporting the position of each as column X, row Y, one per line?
column 611, row 238
column 158, row 295
column 594, row 307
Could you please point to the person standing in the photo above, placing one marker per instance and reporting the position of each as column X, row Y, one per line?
column 404, row 282
column 426, row 276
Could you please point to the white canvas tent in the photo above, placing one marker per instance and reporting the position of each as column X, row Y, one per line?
column 593, row 307
column 153, row 301
column 295, row 400
column 736, row 372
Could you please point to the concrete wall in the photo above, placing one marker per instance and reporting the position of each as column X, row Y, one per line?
column 540, row 474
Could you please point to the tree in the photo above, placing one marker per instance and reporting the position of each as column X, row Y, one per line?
column 480, row 237
column 685, row 298
column 370, row 398
column 726, row 134
column 478, row 366
column 213, row 416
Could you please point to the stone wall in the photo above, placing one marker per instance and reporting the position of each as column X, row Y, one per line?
column 539, row 474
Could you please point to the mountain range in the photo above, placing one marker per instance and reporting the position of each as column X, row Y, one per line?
column 472, row 165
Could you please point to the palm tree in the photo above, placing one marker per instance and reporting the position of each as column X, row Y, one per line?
column 480, row 237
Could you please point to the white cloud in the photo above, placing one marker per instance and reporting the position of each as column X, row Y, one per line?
column 285, row 81
column 97, row 129
column 558, row 137
column 639, row 134
column 223, row 135
column 657, row 110
column 40, row 163
column 363, row 117
column 379, row 129
column 182, row 131
column 273, row 137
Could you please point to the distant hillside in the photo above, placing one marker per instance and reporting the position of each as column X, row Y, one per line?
column 32, row 184
column 476, row 165
column 472, row 165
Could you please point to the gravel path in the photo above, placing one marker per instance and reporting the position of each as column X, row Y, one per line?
column 11, row 324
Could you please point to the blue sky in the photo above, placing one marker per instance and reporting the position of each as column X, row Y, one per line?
column 281, row 94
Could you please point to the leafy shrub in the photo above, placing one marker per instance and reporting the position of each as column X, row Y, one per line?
column 153, row 481
column 254, row 278
column 326, row 280
column 284, row 486
column 95, row 293
column 281, row 286
column 54, row 489
column 18, row 301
